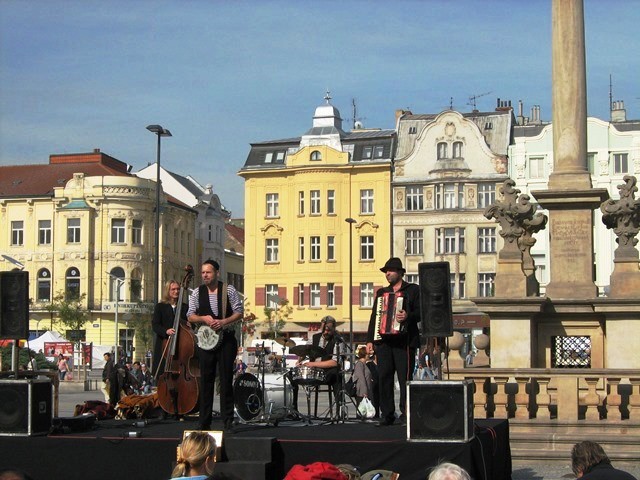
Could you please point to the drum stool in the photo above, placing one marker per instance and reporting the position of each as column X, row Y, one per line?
column 317, row 390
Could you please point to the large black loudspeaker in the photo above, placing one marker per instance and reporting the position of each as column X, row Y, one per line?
column 25, row 407
column 435, row 299
column 14, row 305
column 440, row 411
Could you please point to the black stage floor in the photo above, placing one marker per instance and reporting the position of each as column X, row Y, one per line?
column 106, row 451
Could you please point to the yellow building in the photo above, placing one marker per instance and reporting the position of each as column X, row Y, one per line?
column 306, row 199
column 83, row 226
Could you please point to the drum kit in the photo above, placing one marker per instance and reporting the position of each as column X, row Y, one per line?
column 268, row 397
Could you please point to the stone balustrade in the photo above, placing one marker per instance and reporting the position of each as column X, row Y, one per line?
column 540, row 394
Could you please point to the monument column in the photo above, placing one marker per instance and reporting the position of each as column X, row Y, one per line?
column 570, row 198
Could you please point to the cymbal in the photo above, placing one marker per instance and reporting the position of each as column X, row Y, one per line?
column 285, row 342
column 310, row 351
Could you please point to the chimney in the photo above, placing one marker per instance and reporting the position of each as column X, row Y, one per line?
column 618, row 112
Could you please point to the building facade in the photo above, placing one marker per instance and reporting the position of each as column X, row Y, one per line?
column 319, row 221
column 448, row 170
column 83, row 227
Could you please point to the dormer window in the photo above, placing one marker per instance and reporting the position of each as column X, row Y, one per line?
column 442, row 150
column 378, row 151
column 316, row 156
column 367, row 152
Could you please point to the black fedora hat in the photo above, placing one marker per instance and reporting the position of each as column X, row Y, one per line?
column 394, row 263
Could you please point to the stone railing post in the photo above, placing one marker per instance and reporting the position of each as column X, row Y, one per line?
column 543, row 399
column 634, row 399
column 614, row 399
column 591, row 399
column 567, row 398
column 479, row 398
column 522, row 398
column 501, row 399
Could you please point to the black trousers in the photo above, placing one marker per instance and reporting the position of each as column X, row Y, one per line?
column 394, row 357
column 224, row 358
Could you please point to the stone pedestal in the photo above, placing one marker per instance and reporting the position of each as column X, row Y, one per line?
column 625, row 280
column 571, row 240
column 510, row 279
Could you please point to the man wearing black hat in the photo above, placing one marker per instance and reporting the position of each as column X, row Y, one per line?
column 396, row 350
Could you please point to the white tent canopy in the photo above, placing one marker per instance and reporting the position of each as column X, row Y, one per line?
column 48, row 336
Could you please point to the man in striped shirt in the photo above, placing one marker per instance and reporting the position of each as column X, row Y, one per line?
column 205, row 305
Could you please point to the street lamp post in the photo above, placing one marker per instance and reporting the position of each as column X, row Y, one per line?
column 350, row 221
column 119, row 282
column 160, row 132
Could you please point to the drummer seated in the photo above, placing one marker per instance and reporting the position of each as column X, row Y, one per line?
column 333, row 347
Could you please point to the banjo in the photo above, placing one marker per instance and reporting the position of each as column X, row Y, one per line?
column 206, row 337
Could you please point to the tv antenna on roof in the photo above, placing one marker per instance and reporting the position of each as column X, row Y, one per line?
column 473, row 98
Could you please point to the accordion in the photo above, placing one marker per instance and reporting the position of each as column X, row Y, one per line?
column 387, row 307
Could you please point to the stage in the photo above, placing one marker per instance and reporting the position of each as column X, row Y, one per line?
column 109, row 449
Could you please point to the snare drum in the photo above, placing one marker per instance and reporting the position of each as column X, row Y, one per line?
column 303, row 375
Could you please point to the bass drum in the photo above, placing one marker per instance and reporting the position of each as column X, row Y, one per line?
column 247, row 397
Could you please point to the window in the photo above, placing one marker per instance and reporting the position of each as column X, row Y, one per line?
column 366, row 295
column 315, row 249
column 414, row 242
column 72, row 284
column 136, row 232
column 279, row 157
column 314, row 295
column 536, row 167
column 271, row 291
column 210, row 233
column 486, row 194
column 487, row 240
column 117, row 230
column 316, row 156
column 44, row 232
column 300, row 294
column 315, row 202
column 412, row 278
column 175, row 240
column 331, row 294
column 591, row 163
column 272, row 250
column 116, row 281
column 44, row 285
column 268, row 158
column 366, row 247
column 331, row 202
column 457, row 150
column 462, row 277
column 378, row 151
column 571, row 352
column 485, row 284
column 367, row 152
column 449, row 196
column 415, row 198
column 442, row 150
column 272, row 205
column 17, row 232
column 459, row 281
column 300, row 203
column 413, row 130
column 135, row 288
column 450, row 240
column 620, row 163
column 73, row 230
column 366, row 201
column 301, row 249
column 331, row 248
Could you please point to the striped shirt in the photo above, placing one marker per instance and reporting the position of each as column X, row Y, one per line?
column 234, row 301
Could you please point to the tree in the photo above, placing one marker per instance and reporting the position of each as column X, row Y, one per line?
column 140, row 323
column 71, row 312
column 276, row 318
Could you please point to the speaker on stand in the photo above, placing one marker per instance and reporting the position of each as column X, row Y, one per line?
column 14, row 305
column 435, row 299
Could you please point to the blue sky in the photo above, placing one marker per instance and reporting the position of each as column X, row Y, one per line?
column 84, row 74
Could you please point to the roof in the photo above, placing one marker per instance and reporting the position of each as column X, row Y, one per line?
column 234, row 240
column 191, row 187
column 41, row 179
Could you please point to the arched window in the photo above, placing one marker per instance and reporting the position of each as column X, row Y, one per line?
column 44, row 285
column 72, row 284
column 457, row 150
column 135, row 288
column 442, row 150
column 316, row 155
column 116, row 280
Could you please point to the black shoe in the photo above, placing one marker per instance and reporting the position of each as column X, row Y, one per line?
column 402, row 419
column 385, row 422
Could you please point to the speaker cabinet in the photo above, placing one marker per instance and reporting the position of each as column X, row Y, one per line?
column 440, row 411
column 25, row 407
column 435, row 299
column 14, row 305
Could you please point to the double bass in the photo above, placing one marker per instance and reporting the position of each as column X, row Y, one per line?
column 178, row 389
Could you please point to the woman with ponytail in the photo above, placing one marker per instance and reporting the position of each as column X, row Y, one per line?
column 196, row 457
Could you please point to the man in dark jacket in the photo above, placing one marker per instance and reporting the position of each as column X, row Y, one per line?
column 396, row 349
column 588, row 461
